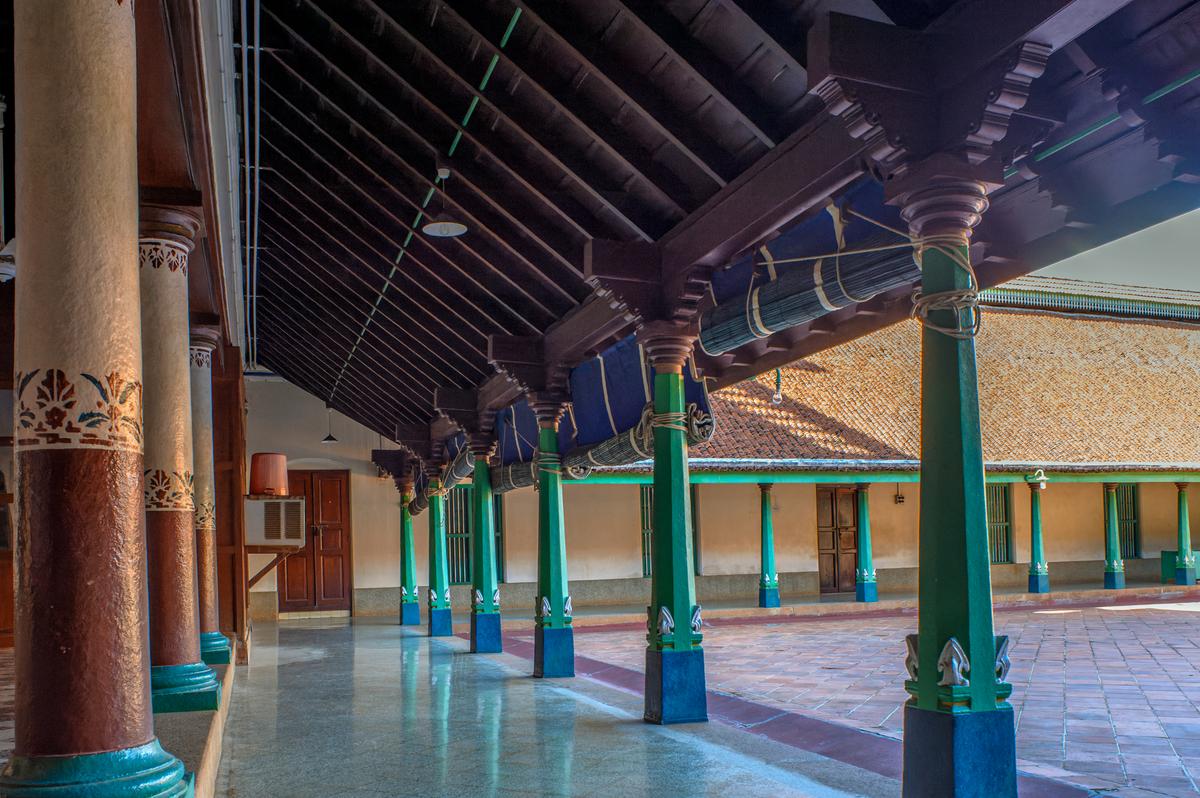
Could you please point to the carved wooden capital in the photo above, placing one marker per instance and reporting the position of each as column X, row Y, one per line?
column 481, row 444
column 668, row 344
column 940, row 197
column 548, row 406
column 168, row 223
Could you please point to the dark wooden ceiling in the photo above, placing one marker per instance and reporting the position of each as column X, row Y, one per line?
column 617, row 120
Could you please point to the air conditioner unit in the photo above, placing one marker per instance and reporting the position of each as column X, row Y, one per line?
column 275, row 522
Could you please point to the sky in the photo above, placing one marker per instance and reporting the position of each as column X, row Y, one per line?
column 1164, row 256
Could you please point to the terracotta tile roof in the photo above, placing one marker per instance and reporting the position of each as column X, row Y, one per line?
column 1054, row 390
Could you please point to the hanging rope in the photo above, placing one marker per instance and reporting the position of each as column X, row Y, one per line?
column 671, row 420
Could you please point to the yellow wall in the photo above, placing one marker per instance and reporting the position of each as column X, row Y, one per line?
column 603, row 522
column 282, row 418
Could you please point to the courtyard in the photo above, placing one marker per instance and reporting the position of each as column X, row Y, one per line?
column 1104, row 698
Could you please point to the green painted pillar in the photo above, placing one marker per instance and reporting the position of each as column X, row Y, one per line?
column 865, row 587
column 410, row 606
column 959, row 734
column 485, row 590
column 768, row 579
column 1114, row 566
column 554, row 641
column 1039, row 569
column 1185, row 560
column 675, row 689
column 440, row 621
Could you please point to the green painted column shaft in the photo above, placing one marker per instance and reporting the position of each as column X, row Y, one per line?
column 866, row 559
column 552, row 610
column 955, row 578
column 439, row 563
column 768, row 576
column 1185, row 559
column 1037, row 545
column 1113, row 564
column 673, row 588
column 486, row 596
column 408, row 559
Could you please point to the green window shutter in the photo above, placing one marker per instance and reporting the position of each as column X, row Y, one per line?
column 999, row 515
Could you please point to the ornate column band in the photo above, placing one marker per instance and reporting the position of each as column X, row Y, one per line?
column 214, row 646
column 83, row 720
column 180, row 681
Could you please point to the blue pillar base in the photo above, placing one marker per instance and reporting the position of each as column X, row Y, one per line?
column 441, row 622
column 553, row 652
column 969, row 755
column 1039, row 583
column 1114, row 580
column 184, row 688
column 215, row 648
column 768, row 597
column 675, row 690
column 146, row 771
column 866, row 592
column 485, row 633
column 1185, row 576
column 410, row 614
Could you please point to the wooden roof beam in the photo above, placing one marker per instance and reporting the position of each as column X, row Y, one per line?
column 366, row 54
column 318, row 296
column 490, row 305
column 666, row 186
column 624, row 218
column 550, row 306
column 464, row 175
column 714, row 163
column 669, row 34
column 411, row 323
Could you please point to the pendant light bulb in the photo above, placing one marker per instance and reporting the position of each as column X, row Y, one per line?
column 329, row 435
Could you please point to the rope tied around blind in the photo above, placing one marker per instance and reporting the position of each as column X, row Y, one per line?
column 962, row 302
column 671, row 420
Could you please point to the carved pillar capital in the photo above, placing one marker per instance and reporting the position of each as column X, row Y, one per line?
column 668, row 345
column 205, row 339
column 941, row 197
column 170, row 224
column 549, row 407
column 482, row 445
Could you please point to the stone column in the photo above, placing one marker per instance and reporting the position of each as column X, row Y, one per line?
column 554, row 639
column 958, row 727
column 1114, row 566
column 865, row 588
column 214, row 646
column 82, row 709
column 1185, row 560
column 179, row 679
column 768, row 577
column 675, row 689
column 485, row 606
column 1039, row 569
column 410, row 603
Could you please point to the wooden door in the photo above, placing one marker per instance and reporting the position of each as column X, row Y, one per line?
column 318, row 576
column 837, row 538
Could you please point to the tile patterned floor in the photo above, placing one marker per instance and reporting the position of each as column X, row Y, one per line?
column 1110, row 696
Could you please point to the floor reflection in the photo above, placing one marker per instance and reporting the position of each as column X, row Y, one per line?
column 374, row 709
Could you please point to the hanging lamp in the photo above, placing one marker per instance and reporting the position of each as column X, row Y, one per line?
column 442, row 224
column 329, row 418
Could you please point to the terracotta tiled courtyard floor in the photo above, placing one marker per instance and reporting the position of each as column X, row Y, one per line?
column 1106, row 698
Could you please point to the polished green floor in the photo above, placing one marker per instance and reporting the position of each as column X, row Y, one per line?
column 333, row 709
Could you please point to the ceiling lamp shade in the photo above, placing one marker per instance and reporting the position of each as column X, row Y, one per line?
column 442, row 225
column 329, row 430
column 268, row 474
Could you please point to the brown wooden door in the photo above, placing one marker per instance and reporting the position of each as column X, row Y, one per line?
column 837, row 538
column 318, row 576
